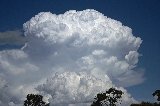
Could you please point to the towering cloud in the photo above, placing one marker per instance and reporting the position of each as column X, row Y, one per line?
column 71, row 57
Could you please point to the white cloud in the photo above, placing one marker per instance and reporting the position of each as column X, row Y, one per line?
column 85, row 47
column 72, row 88
column 132, row 57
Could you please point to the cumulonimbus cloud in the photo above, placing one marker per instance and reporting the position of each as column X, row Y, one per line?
column 70, row 57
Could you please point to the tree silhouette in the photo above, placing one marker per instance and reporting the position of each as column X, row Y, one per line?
column 34, row 100
column 157, row 93
column 109, row 98
column 146, row 104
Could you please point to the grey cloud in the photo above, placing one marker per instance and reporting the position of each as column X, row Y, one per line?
column 14, row 37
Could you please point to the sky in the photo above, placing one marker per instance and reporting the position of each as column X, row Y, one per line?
column 142, row 16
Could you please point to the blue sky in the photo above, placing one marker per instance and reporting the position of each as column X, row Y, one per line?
column 140, row 15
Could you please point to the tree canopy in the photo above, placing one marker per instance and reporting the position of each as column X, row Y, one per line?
column 157, row 93
column 34, row 100
column 109, row 98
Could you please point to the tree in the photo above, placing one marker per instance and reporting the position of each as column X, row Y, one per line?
column 146, row 104
column 157, row 93
column 34, row 100
column 109, row 98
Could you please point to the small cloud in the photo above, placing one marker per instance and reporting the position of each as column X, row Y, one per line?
column 13, row 37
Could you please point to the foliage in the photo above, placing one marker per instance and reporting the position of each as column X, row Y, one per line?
column 34, row 100
column 146, row 104
column 109, row 98
column 157, row 93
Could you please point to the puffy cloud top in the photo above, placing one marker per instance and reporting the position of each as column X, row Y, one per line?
column 87, row 27
column 69, row 58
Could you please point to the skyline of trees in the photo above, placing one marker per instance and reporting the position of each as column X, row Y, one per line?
column 109, row 98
